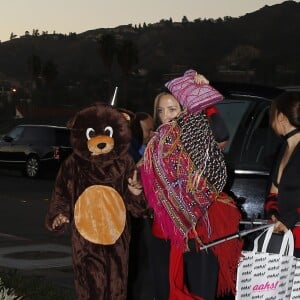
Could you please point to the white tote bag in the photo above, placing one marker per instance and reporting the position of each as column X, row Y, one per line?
column 263, row 275
column 294, row 286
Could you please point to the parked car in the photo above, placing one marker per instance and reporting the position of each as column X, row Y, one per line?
column 34, row 148
column 252, row 146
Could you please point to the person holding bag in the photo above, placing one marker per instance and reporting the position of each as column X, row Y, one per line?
column 183, row 175
column 282, row 205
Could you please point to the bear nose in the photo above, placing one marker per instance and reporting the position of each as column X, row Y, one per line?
column 101, row 145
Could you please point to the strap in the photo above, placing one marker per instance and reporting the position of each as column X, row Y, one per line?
column 267, row 231
column 287, row 245
column 291, row 133
column 267, row 238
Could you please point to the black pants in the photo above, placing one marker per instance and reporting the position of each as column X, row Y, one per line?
column 159, row 258
column 139, row 274
column 200, row 270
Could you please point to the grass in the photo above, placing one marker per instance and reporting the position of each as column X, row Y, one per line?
column 16, row 286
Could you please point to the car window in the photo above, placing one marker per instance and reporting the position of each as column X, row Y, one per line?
column 62, row 137
column 16, row 133
column 38, row 135
column 232, row 111
column 261, row 144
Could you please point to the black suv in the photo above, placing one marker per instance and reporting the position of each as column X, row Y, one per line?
column 252, row 145
column 33, row 148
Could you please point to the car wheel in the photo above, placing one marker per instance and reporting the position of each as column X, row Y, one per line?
column 32, row 167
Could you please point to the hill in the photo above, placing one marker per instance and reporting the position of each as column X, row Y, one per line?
column 261, row 47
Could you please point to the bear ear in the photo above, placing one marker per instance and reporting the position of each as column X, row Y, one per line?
column 71, row 122
column 126, row 116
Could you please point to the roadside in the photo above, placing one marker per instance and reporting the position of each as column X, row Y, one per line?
column 44, row 267
column 41, row 265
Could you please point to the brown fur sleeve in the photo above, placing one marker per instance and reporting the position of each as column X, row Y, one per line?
column 61, row 197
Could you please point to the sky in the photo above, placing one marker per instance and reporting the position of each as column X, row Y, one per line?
column 65, row 16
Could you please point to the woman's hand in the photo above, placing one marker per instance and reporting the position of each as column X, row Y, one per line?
column 201, row 79
column 280, row 227
column 134, row 184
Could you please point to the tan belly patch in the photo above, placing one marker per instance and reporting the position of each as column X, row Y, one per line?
column 100, row 214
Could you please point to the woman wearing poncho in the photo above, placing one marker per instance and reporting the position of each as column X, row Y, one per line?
column 183, row 176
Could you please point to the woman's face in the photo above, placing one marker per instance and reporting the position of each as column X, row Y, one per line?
column 168, row 108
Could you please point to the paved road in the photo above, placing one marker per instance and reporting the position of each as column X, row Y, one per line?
column 25, row 244
column 23, row 205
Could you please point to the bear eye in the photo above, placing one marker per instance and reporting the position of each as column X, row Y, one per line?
column 90, row 132
column 108, row 130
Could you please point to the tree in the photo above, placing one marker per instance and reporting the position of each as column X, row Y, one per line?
column 184, row 19
column 35, row 32
column 35, row 69
column 12, row 36
column 49, row 72
column 243, row 56
column 127, row 57
column 107, row 50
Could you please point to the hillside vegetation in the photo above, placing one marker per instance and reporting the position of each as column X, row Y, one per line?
column 260, row 47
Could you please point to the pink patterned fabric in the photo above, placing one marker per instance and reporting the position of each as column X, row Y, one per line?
column 192, row 96
column 168, row 176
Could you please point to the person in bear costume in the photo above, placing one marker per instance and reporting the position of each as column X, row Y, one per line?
column 95, row 190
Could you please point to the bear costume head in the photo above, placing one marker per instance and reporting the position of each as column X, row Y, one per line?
column 99, row 132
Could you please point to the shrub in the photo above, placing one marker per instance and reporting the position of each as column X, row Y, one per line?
column 20, row 287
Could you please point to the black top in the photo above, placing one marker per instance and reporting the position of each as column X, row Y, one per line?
column 288, row 187
column 134, row 150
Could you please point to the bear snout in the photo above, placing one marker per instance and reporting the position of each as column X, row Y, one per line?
column 101, row 145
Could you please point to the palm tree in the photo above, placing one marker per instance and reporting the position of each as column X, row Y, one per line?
column 107, row 51
column 12, row 36
column 49, row 72
column 35, row 69
column 127, row 57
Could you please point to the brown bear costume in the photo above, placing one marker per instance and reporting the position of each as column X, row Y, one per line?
column 93, row 192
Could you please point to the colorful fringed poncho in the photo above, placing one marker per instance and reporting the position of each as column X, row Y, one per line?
column 183, row 176
column 180, row 152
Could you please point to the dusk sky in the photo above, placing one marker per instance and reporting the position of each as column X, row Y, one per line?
column 64, row 16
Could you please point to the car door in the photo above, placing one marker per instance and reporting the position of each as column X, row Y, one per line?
column 250, row 153
column 9, row 146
